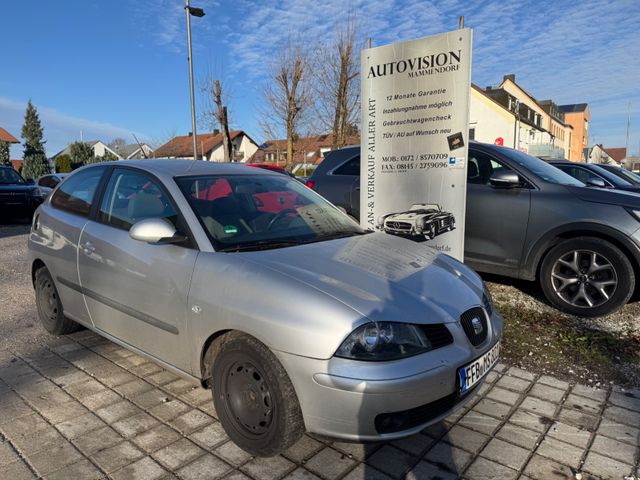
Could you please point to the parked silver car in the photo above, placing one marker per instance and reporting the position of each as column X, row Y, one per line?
column 257, row 287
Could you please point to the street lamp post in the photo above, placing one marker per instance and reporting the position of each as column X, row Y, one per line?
column 196, row 12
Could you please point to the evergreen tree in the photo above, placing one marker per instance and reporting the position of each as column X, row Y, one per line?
column 107, row 157
column 63, row 163
column 35, row 160
column 4, row 153
column 81, row 154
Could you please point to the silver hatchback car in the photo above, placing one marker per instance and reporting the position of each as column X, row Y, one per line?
column 255, row 286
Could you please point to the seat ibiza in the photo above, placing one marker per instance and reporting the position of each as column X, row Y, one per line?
column 255, row 286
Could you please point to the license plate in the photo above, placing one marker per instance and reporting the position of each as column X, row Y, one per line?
column 472, row 373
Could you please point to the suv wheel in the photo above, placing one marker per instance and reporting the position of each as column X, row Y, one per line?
column 431, row 232
column 254, row 398
column 587, row 277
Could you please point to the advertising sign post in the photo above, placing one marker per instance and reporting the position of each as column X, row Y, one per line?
column 415, row 120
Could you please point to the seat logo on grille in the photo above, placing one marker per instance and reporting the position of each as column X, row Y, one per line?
column 477, row 325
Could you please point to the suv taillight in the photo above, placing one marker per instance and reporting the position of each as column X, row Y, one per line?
column 310, row 184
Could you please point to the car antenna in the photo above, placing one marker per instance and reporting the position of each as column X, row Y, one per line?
column 140, row 145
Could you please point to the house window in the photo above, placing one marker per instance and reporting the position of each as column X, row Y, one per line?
column 472, row 134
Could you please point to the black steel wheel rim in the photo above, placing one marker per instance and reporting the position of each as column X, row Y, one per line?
column 584, row 278
column 248, row 398
column 48, row 299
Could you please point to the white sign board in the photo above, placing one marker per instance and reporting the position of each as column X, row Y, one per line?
column 415, row 120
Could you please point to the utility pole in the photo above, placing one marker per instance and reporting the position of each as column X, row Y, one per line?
column 196, row 12
column 626, row 144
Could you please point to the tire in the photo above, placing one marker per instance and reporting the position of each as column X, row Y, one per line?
column 587, row 270
column 431, row 233
column 49, row 306
column 254, row 398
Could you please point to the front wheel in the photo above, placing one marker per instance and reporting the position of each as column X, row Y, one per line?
column 587, row 277
column 254, row 398
column 431, row 232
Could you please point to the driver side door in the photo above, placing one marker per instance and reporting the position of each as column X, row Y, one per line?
column 496, row 218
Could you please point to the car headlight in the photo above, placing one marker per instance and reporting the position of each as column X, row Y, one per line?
column 487, row 300
column 36, row 192
column 635, row 213
column 383, row 341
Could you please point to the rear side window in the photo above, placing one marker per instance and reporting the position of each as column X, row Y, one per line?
column 76, row 194
column 47, row 181
column 581, row 174
column 352, row 167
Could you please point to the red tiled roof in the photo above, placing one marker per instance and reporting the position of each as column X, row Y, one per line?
column 618, row 154
column 17, row 165
column 7, row 137
column 183, row 146
column 307, row 149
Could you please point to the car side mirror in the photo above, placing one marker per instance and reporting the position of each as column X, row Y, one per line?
column 596, row 182
column 157, row 231
column 505, row 179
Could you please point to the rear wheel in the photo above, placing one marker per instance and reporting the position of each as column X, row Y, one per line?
column 254, row 398
column 49, row 305
column 587, row 277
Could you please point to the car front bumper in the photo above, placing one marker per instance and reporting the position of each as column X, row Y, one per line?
column 342, row 398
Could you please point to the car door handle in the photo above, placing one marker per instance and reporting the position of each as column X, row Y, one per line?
column 357, row 189
column 88, row 248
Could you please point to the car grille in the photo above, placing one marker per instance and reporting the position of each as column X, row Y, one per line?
column 406, row 419
column 438, row 335
column 474, row 323
column 399, row 226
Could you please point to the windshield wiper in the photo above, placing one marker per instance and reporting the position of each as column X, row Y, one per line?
column 261, row 245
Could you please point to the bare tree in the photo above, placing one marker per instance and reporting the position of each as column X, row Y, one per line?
column 288, row 95
column 335, row 84
column 215, row 112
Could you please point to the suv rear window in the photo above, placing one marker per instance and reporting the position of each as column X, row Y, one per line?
column 351, row 167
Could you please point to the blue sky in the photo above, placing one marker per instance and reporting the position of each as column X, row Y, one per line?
column 110, row 68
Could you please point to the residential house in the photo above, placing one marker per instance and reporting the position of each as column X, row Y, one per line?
column 489, row 120
column 560, row 131
column 9, row 139
column 578, row 116
column 133, row 151
column 99, row 149
column 209, row 147
column 529, row 132
column 599, row 154
column 307, row 150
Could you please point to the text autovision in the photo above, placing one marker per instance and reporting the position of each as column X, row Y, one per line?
column 418, row 66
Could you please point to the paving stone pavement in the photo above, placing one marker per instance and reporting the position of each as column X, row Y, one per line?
column 82, row 407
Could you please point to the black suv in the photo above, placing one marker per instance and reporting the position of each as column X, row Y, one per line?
column 18, row 197
column 527, row 219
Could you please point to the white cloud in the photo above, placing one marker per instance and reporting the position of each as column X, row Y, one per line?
column 59, row 128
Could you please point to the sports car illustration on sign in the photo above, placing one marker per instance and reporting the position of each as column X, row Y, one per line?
column 422, row 219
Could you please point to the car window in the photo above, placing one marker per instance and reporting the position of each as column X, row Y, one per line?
column 578, row 173
column 76, row 194
column 481, row 167
column 9, row 176
column 352, row 167
column 132, row 196
column 540, row 168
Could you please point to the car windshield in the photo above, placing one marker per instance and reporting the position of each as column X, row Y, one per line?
column 541, row 169
column 252, row 212
column 631, row 177
column 8, row 176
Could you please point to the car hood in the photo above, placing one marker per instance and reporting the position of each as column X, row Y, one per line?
column 382, row 277
column 412, row 216
column 608, row 196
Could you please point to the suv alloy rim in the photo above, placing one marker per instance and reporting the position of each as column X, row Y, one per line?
column 584, row 278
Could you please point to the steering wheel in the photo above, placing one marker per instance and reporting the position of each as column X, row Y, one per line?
column 280, row 215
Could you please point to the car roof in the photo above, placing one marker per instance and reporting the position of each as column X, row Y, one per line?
column 177, row 167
